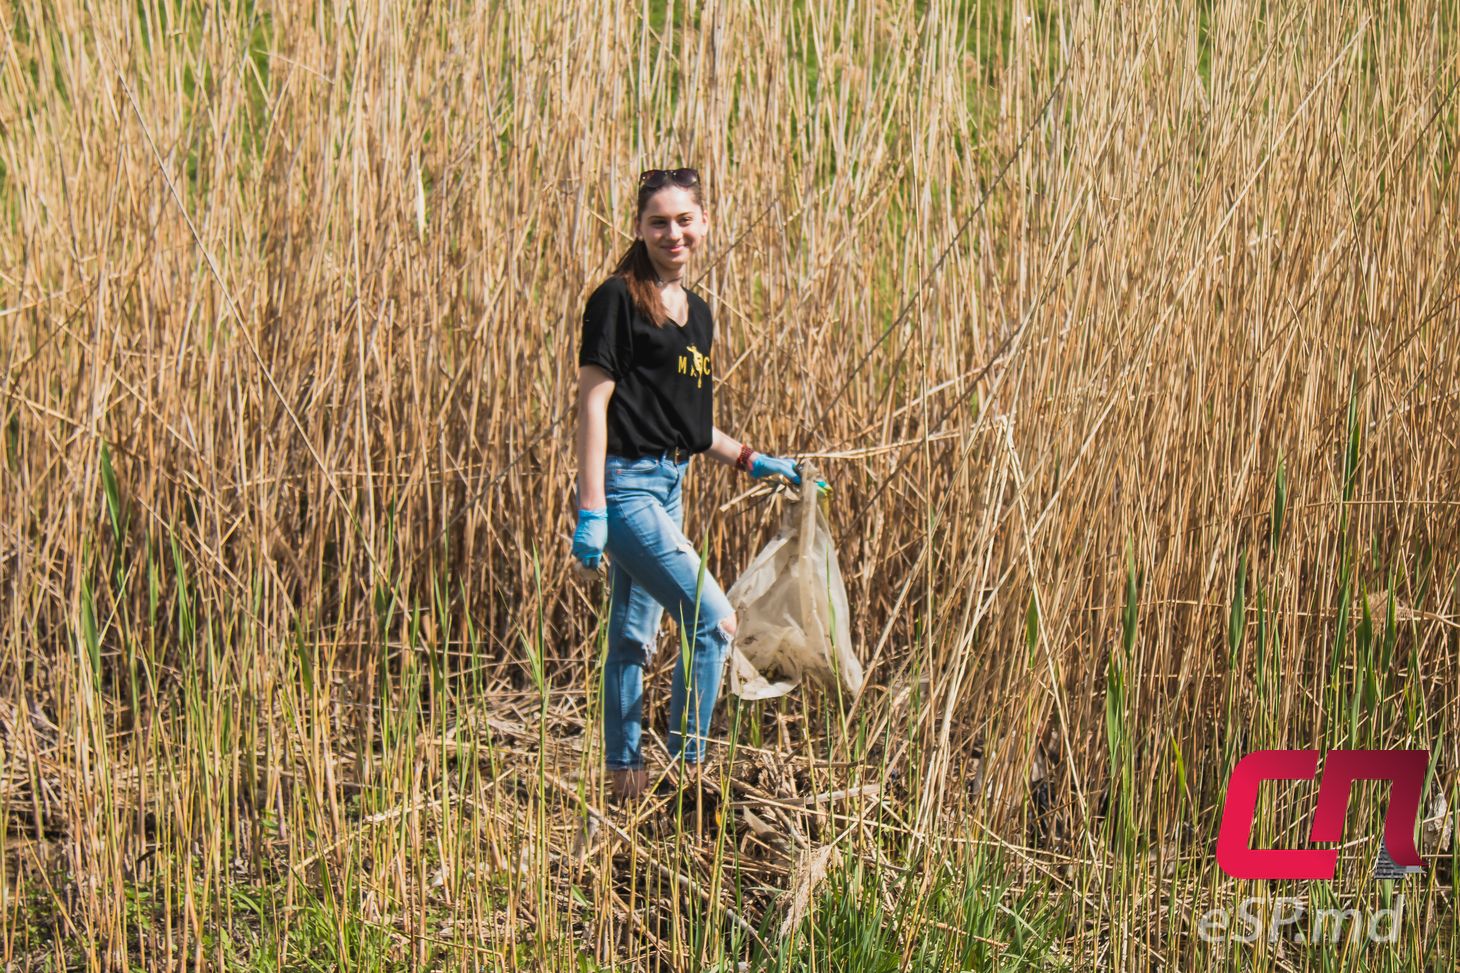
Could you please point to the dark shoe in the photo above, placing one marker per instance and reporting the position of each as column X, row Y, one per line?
column 626, row 785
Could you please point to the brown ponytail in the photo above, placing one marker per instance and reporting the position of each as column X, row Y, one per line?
column 638, row 271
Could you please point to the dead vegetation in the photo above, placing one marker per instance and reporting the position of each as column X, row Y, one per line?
column 1126, row 336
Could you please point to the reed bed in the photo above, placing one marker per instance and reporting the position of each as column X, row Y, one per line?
column 1126, row 334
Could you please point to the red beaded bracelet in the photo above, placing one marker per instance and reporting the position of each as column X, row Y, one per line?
column 742, row 462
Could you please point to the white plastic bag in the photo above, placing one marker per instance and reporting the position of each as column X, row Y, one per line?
column 791, row 608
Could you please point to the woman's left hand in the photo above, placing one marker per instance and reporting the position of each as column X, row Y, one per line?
column 763, row 466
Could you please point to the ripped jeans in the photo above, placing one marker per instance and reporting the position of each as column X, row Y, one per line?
column 653, row 566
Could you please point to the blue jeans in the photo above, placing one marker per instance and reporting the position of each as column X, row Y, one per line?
column 653, row 566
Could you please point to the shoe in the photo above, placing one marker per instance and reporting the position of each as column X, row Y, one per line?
column 626, row 785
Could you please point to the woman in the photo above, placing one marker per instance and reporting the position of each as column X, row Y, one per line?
column 645, row 406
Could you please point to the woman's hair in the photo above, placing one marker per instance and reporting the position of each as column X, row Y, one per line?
column 635, row 267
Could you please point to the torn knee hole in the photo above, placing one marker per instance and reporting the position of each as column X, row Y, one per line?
column 637, row 652
column 727, row 626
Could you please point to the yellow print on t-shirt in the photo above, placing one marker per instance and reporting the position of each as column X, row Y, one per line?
column 695, row 365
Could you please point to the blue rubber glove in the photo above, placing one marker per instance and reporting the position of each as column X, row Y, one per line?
column 762, row 466
column 590, row 536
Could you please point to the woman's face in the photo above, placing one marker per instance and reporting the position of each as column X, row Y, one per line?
column 672, row 225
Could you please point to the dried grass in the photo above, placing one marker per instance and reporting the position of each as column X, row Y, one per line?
column 1124, row 442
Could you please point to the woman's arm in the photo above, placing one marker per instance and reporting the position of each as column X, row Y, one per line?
column 723, row 449
column 595, row 388
column 726, row 450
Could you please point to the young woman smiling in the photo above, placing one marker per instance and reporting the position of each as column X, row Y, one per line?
column 645, row 406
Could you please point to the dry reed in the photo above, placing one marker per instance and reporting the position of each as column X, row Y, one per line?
column 1128, row 333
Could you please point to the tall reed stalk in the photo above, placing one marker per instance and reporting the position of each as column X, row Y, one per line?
column 1124, row 332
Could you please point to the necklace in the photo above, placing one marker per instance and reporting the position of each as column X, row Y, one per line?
column 662, row 283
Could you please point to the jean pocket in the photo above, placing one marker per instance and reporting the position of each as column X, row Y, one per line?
column 617, row 466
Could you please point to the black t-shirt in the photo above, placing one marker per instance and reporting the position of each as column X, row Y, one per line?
column 663, row 397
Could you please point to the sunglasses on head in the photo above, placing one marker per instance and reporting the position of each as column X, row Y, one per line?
column 654, row 178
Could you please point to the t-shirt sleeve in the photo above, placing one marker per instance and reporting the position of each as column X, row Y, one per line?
column 606, row 332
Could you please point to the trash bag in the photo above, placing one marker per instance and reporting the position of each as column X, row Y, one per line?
column 791, row 608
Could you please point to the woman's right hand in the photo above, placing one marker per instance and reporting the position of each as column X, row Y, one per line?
column 590, row 536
